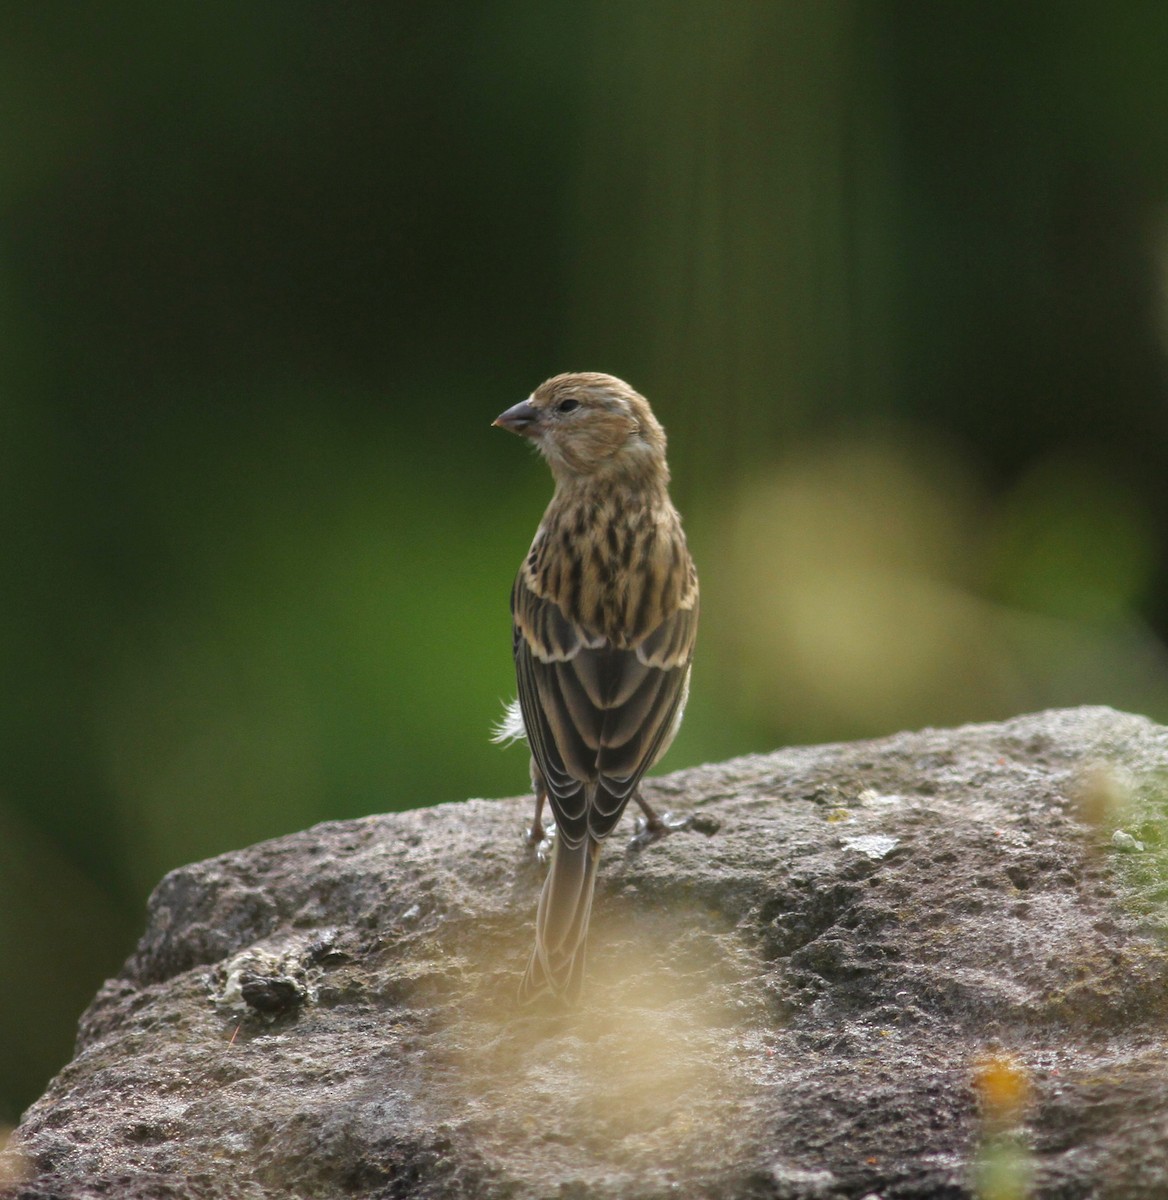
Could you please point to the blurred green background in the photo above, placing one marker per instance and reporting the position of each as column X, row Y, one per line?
column 893, row 275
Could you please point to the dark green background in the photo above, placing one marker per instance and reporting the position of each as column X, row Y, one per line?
column 893, row 275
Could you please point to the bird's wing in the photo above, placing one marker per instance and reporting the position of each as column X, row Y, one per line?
column 595, row 714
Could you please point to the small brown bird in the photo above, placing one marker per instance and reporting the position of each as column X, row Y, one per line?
column 605, row 613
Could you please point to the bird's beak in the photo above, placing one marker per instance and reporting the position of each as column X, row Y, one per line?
column 521, row 418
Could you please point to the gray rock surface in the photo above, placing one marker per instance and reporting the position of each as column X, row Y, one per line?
column 896, row 969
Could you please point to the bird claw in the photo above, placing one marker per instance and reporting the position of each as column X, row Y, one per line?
column 539, row 841
column 648, row 832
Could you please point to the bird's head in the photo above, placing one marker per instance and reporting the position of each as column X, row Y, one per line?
column 589, row 426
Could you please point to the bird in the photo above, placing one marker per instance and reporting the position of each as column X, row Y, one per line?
column 604, row 620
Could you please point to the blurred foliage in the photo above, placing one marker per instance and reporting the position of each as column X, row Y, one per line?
column 1003, row 1167
column 893, row 275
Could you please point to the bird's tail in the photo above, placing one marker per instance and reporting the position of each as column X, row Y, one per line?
column 561, row 923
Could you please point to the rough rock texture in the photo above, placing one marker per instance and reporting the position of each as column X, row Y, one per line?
column 896, row 969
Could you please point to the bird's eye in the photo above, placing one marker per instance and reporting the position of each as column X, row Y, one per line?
column 567, row 405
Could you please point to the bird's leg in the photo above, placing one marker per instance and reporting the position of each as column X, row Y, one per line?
column 538, row 837
column 652, row 822
column 535, row 833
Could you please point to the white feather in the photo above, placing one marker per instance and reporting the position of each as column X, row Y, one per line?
column 509, row 728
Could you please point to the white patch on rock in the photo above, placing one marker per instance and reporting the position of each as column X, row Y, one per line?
column 874, row 845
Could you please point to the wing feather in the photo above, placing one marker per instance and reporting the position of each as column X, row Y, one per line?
column 597, row 716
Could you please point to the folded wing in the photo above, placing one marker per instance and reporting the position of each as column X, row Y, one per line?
column 596, row 714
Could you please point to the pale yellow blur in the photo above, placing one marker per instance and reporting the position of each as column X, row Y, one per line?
column 649, row 1079
column 14, row 1166
column 872, row 583
column 1104, row 794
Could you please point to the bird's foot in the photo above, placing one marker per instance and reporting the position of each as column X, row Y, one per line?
column 539, row 840
column 653, row 829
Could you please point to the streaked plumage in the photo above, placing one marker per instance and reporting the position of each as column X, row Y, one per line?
column 604, row 610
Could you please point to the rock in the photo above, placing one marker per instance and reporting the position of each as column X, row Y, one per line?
column 887, row 969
